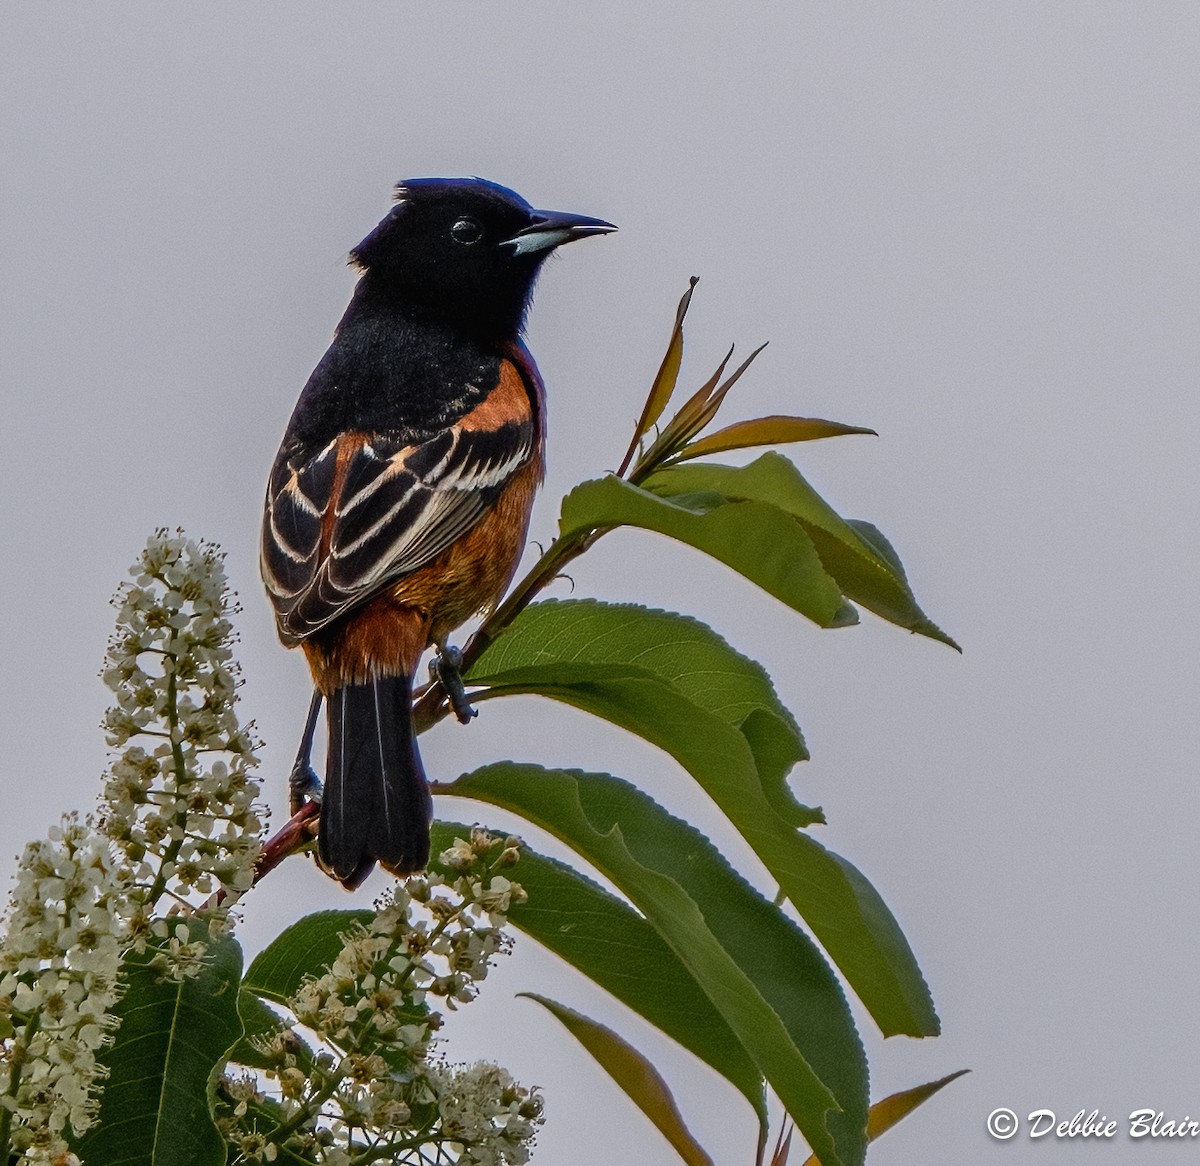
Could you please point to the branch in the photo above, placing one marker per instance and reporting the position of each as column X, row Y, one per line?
column 295, row 834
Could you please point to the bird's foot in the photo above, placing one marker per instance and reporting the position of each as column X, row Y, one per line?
column 446, row 669
column 303, row 786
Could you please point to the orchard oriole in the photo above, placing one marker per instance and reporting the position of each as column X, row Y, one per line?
column 399, row 500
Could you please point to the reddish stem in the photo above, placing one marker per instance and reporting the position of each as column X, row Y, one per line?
column 295, row 834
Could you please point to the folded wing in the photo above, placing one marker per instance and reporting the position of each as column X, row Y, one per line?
column 343, row 521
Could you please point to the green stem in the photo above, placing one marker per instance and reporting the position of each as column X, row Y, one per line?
column 172, row 851
column 310, row 1110
column 390, row 1150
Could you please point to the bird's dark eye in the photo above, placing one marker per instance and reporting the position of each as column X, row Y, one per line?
column 467, row 230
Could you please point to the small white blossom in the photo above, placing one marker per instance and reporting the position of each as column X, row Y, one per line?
column 458, row 856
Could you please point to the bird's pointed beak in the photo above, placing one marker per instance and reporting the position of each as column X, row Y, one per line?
column 549, row 229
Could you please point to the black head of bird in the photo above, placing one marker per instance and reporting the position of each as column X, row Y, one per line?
column 464, row 252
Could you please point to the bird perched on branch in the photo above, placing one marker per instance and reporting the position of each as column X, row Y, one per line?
column 399, row 500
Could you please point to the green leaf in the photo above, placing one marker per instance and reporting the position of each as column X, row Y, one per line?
column 683, row 652
column 886, row 1113
column 864, row 570
column 668, row 372
column 876, row 539
column 686, row 423
column 897, row 1106
column 259, row 1022
column 304, row 949
column 773, row 430
column 640, row 1080
column 758, row 541
column 702, row 408
column 605, row 939
column 154, row 1109
column 761, row 972
column 563, row 658
column 666, row 377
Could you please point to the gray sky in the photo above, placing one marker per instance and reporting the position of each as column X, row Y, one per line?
column 971, row 226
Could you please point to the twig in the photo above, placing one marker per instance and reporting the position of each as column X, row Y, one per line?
column 292, row 836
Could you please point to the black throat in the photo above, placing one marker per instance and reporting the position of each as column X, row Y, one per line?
column 395, row 369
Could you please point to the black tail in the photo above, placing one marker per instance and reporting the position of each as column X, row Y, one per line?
column 376, row 806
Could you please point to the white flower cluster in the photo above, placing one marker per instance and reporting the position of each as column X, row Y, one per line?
column 372, row 1090
column 178, row 830
column 179, row 802
column 489, row 1117
column 58, row 982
